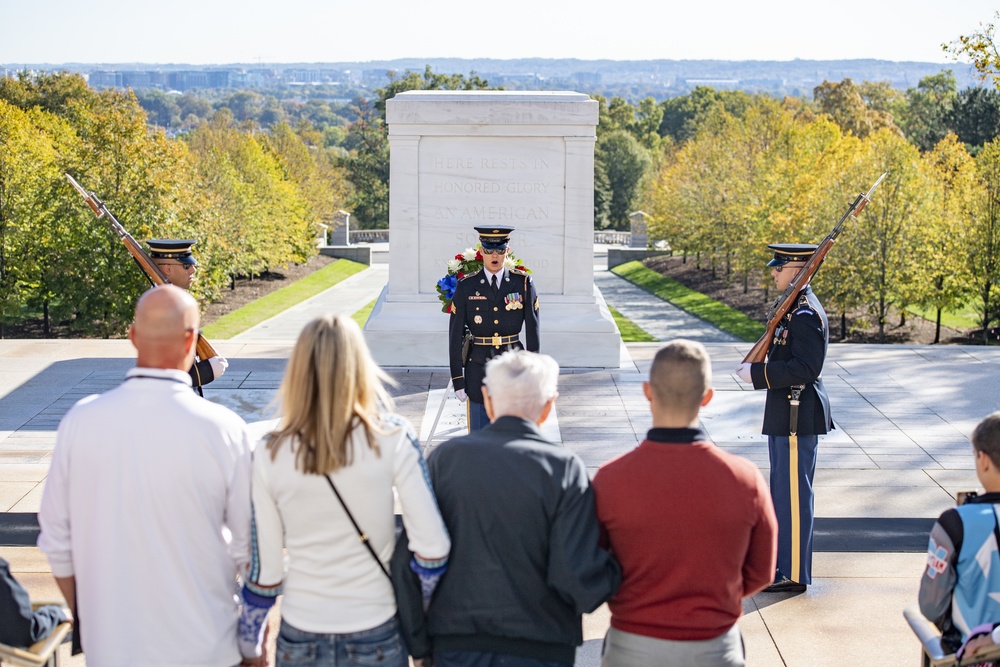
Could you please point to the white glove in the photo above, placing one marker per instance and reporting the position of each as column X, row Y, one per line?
column 743, row 372
column 461, row 395
column 219, row 366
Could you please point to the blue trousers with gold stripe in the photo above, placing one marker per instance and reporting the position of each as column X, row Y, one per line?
column 792, row 473
column 476, row 414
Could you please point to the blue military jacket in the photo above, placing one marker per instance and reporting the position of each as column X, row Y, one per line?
column 795, row 357
column 485, row 314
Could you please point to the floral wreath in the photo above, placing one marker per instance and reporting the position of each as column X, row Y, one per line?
column 463, row 264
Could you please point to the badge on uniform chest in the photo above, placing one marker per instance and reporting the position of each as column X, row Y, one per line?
column 477, row 297
column 780, row 336
column 514, row 301
column 477, row 319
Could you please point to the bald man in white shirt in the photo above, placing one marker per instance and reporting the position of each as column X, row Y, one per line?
column 146, row 513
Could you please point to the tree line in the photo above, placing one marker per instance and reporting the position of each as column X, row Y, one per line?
column 722, row 172
column 251, row 199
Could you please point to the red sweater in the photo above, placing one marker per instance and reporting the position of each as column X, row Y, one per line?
column 694, row 530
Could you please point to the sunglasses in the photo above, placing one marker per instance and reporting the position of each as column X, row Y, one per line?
column 494, row 251
column 778, row 268
column 186, row 267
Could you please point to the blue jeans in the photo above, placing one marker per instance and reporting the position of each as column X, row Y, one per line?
column 380, row 646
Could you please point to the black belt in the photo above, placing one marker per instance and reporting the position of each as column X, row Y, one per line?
column 495, row 341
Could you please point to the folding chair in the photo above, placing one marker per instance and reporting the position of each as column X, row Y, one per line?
column 44, row 652
column 932, row 655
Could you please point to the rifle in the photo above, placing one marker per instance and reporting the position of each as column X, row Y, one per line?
column 781, row 305
column 203, row 348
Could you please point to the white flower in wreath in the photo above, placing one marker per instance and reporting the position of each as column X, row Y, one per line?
column 469, row 254
column 454, row 265
column 508, row 263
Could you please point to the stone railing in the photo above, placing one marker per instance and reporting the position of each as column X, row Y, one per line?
column 613, row 238
column 382, row 236
column 369, row 235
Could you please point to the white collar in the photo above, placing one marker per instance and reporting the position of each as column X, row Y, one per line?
column 499, row 274
column 159, row 374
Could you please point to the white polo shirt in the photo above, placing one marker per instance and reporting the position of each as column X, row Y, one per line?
column 143, row 481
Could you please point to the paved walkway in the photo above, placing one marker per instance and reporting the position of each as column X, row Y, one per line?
column 346, row 297
column 657, row 318
column 896, row 460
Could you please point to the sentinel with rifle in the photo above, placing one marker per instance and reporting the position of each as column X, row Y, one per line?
column 781, row 305
column 168, row 262
column 788, row 361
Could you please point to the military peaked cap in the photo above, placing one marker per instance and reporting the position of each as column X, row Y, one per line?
column 791, row 252
column 494, row 238
column 179, row 249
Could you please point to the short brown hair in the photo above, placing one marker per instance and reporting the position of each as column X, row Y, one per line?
column 986, row 437
column 681, row 374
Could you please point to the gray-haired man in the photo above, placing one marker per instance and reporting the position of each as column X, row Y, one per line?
column 525, row 562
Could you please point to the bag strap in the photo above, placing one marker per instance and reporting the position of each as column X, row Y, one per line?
column 361, row 535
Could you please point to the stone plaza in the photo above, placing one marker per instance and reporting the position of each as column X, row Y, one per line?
column 898, row 457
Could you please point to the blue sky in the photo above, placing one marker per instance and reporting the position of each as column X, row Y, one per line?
column 212, row 32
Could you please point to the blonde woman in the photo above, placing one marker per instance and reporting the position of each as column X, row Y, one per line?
column 336, row 435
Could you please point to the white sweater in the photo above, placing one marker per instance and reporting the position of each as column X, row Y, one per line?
column 331, row 582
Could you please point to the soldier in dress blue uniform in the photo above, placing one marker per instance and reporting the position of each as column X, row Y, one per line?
column 792, row 371
column 177, row 263
column 491, row 306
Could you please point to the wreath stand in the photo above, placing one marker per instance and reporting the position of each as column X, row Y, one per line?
column 434, row 435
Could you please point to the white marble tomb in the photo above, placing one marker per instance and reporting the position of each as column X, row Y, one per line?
column 461, row 159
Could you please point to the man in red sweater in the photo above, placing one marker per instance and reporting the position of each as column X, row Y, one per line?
column 692, row 526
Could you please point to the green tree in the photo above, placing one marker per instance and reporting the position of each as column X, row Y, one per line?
column 264, row 220
column 28, row 165
column 975, row 117
column 981, row 235
column 682, row 116
column 312, row 168
column 161, row 109
column 943, row 282
column 980, row 47
column 367, row 166
column 851, row 107
column 883, row 248
column 930, row 105
column 624, row 162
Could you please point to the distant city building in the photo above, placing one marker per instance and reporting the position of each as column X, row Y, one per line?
column 105, row 79
column 587, row 78
column 713, row 83
column 375, row 78
column 633, row 80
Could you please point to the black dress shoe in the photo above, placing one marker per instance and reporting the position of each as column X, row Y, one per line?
column 785, row 585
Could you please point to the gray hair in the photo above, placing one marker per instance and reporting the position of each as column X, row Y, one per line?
column 521, row 383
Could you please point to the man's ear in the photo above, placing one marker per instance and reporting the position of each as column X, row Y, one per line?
column 647, row 391
column 709, row 393
column 546, row 411
column 488, row 403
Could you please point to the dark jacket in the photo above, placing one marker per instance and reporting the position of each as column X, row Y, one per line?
column 525, row 559
column 201, row 374
column 483, row 313
column 795, row 357
column 19, row 625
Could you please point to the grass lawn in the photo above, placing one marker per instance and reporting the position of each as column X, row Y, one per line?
column 257, row 311
column 963, row 320
column 631, row 333
column 716, row 313
column 362, row 315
